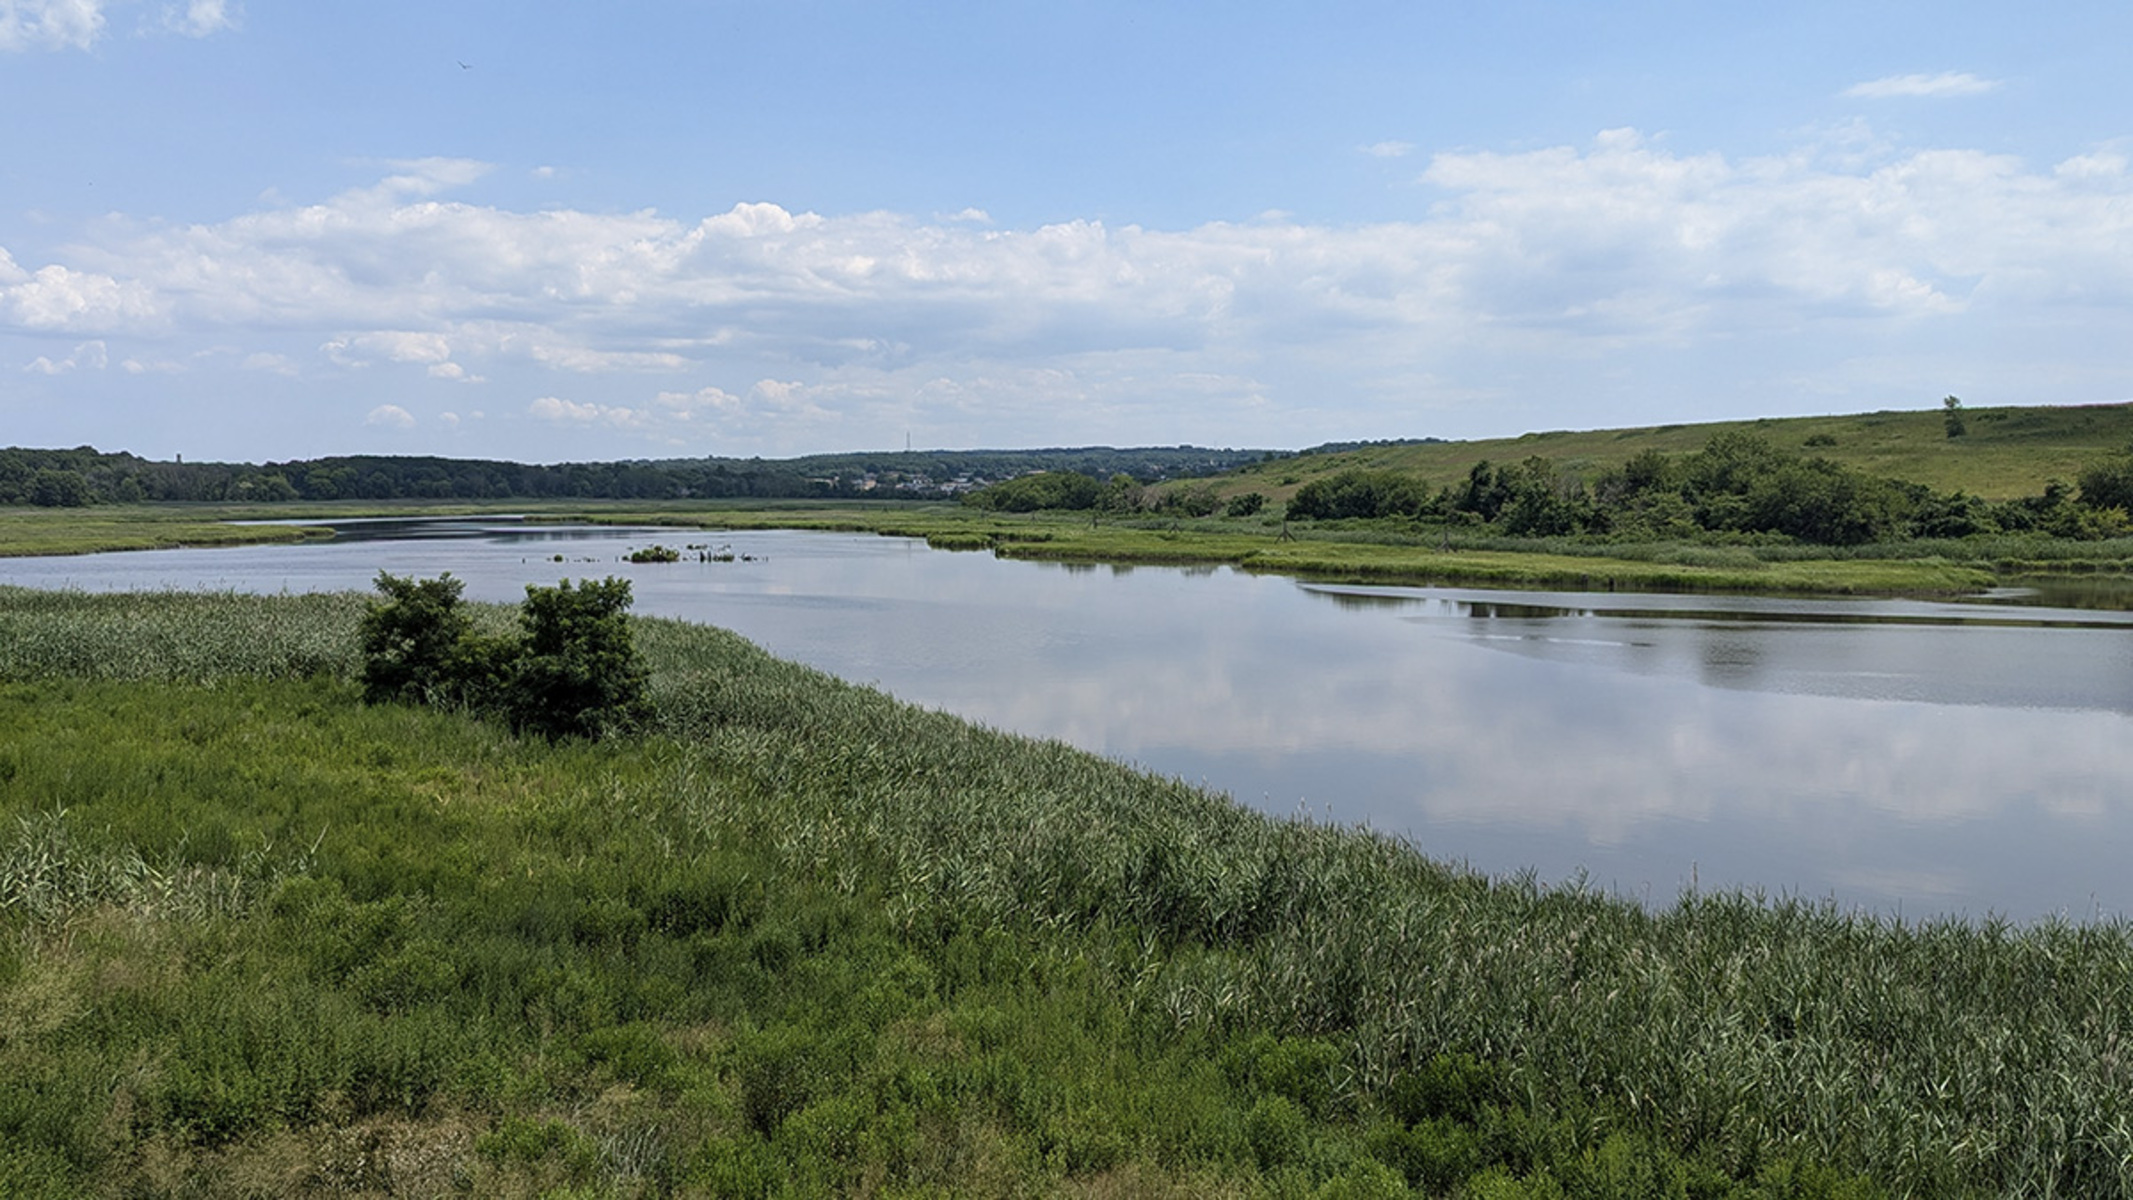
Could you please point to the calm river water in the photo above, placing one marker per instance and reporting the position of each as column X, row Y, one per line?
column 1908, row 757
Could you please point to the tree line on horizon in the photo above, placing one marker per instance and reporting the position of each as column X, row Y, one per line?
column 85, row 475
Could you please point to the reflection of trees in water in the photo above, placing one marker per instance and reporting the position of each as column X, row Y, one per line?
column 2100, row 594
column 1365, row 600
column 1497, row 610
column 1729, row 657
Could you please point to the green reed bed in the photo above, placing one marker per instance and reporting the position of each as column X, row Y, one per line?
column 256, row 938
column 1434, row 556
column 135, row 527
column 1371, row 551
column 1690, row 569
column 190, row 636
column 1414, row 552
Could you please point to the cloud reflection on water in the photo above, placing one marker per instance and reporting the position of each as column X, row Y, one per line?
column 1623, row 741
column 1886, row 753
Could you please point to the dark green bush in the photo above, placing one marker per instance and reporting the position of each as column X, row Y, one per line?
column 2109, row 483
column 412, row 641
column 577, row 673
column 1196, row 501
column 1360, row 493
column 573, row 671
column 1042, row 490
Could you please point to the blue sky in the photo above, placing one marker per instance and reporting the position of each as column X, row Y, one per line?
column 254, row 230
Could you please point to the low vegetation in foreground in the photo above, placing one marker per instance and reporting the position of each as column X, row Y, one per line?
column 258, row 938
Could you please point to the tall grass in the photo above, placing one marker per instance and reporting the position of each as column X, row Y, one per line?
column 176, row 636
column 1942, row 1054
column 806, row 935
column 49, row 875
column 137, row 527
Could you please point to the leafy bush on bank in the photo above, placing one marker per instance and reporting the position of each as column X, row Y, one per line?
column 572, row 671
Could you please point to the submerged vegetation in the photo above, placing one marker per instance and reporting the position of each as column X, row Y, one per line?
column 259, row 938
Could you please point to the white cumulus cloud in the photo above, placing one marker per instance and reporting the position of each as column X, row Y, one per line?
column 57, row 298
column 199, row 18
column 1524, row 272
column 1931, row 87
column 88, row 356
column 390, row 416
column 50, row 24
column 79, row 24
column 571, row 412
column 273, row 364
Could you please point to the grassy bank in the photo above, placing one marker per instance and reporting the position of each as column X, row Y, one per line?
column 2005, row 452
column 28, row 531
column 257, row 939
column 1372, row 552
column 1337, row 551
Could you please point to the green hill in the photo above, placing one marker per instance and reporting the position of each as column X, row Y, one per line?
column 2006, row 453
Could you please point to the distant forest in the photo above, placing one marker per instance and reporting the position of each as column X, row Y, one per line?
column 66, row 478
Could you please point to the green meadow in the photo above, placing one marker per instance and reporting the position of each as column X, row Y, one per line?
column 1337, row 551
column 2003, row 453
column 796, row 938
column 25, row 531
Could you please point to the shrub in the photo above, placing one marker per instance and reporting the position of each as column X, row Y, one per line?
column 1043, row 490
column 573, row 671
column 2108, row 484
column 1359, row 493
column 578, row 673
column 1198, row 500
column 1276, row 1131
column 412, row 640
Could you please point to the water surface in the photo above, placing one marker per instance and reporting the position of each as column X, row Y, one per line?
column 1905, row 756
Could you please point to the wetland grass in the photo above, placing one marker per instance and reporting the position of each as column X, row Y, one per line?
column 258, row 938
column 1424, row 555
column 1367, row 552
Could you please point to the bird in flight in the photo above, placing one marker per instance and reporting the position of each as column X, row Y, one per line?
column 464, row 66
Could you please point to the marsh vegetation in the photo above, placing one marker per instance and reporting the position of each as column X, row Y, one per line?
column 796, row 937
column 777, row 934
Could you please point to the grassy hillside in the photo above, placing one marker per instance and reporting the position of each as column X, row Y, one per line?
column 258, row 939
column 2007, row 452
